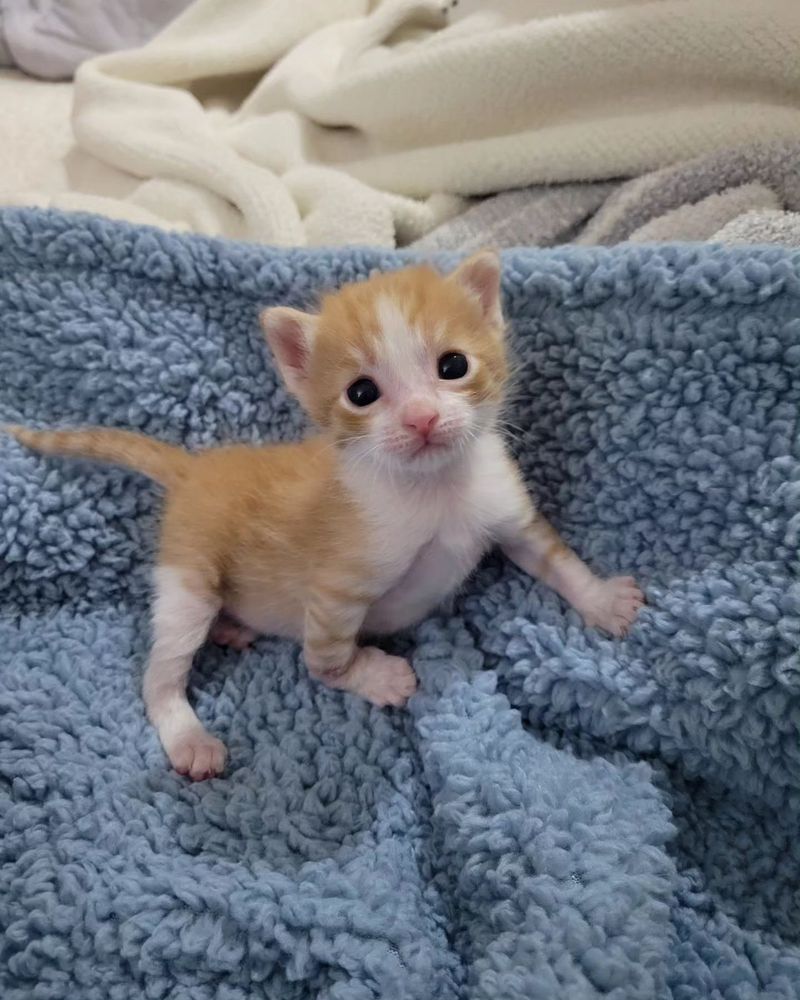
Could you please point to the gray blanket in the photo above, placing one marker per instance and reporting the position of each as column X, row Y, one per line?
column 777, row 228
column 51, row 38
column 690, row 201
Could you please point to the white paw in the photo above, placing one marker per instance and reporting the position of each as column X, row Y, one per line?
column 612, row 605
column 383, row 679
column 197, row 754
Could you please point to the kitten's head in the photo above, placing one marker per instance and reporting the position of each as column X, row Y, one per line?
column 405, row 369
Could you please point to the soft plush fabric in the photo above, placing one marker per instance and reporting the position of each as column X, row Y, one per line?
column 646, row 199
column 557, row 814
column 35, row 134
column 51, row 38
column 687, row 201
column 540, row 215
column 702, row 219
column 353, row 121
column 766, row 227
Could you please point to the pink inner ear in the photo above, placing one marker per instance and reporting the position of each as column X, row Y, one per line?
column 293, row 347
column 486, row 285
column 482, row 277
column 288, row 332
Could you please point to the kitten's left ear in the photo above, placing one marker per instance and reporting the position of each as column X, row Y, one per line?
column 290, row 335
column 480, row 276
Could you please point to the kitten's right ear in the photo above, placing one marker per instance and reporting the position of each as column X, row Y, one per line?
column 290, row 335
column 480, row 276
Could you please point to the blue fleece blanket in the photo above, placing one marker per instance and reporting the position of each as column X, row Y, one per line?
column 557, row 815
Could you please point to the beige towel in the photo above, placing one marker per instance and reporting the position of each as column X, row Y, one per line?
column 351, row 121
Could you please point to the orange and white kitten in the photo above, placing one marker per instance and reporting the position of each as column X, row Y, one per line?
column 362, row 529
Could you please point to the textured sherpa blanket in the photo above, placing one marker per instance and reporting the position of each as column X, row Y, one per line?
column 557, row 814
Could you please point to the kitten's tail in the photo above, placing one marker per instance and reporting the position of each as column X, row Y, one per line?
column 164, row 463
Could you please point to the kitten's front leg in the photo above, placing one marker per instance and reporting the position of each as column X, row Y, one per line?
column 611, row 605
column 333, row 619
column 183, row 610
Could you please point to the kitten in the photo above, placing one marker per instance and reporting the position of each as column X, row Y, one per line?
column 358, row 531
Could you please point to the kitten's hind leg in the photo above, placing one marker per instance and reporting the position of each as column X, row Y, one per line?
column 183, row 611
column 226, row 631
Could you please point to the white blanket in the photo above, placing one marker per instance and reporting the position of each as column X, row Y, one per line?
column 333, row 121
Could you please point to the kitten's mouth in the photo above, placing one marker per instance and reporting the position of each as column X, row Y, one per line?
column 429, row 446
column 425, row 450
column 433, row 450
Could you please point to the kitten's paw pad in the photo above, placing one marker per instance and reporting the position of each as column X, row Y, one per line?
column 385, row 680
column 198, row 755
column 225, row 632
column 612, row 605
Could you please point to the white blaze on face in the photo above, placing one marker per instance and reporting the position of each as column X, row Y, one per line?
column 405, row 370
column 403, row 354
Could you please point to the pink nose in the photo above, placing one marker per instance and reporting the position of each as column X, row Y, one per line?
column 421, row 419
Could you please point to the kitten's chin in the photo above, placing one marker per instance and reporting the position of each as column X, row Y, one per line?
column 430, row 458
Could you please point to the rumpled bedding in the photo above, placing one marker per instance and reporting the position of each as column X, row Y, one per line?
column 556, row 814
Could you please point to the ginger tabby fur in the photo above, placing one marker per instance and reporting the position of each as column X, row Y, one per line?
column 362, row 529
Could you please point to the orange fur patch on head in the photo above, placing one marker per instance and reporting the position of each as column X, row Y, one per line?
column 437, row 310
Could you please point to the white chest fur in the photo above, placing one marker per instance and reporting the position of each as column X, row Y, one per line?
column 426, row 538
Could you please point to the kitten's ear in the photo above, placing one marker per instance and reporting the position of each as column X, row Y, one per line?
column 480, row 276
column 290, row 335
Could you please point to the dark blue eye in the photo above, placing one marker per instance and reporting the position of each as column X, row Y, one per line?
column 453, row 365
column 363, row 392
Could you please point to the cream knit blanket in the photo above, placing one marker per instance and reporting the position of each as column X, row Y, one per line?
column 334, row 121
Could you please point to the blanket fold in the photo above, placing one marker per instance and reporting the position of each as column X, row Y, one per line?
column 556, row 814
column 699, row 199
column 345, row 121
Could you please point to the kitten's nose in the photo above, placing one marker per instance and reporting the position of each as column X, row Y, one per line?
column 421, row 419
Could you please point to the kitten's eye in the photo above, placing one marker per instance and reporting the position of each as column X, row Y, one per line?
column 363, row 392
column 453, row 365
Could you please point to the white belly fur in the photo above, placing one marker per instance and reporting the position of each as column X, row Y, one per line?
column 426, row 547
column 436, row 573
column 449, row 531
